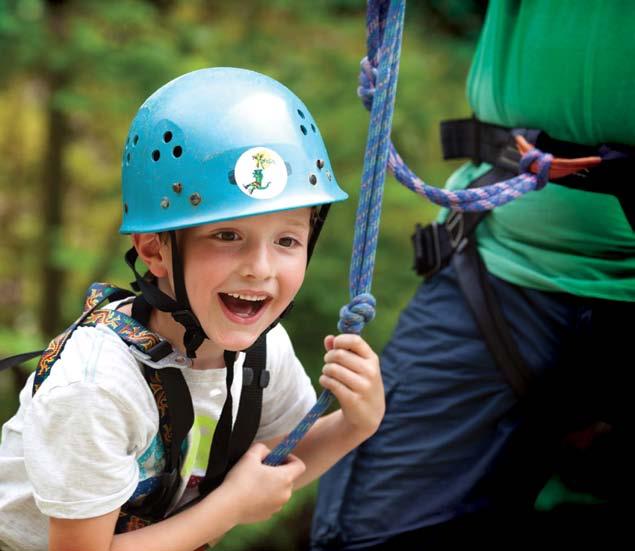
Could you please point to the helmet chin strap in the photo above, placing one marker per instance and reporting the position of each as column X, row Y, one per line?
column 180, row 309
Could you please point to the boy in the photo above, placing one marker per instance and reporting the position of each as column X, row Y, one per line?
column 226, row 182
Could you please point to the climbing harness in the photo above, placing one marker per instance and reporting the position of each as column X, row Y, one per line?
column 162, row 371
column 519, row 166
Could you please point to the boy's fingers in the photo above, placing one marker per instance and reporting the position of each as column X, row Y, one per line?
column 339, row 389
column 294, row 465
column 355, row 343
column 347, row 377
column 328, row 342
column 348, row 359
column 260, row 450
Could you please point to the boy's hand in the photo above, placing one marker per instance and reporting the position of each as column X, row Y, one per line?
column 260, row 490
column 351, row 372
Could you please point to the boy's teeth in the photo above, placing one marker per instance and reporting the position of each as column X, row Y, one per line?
column 246, row 297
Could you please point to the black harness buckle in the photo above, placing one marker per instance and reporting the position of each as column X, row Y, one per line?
column 509, row 159
column 427, row 249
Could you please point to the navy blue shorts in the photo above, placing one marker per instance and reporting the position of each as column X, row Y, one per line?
column 455, row 440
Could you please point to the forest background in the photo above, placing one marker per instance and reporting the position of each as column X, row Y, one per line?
column 73, row 75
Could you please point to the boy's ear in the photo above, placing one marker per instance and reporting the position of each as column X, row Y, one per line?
column 153, row 251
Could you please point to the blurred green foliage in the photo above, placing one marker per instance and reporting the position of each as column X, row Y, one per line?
column 87, row 66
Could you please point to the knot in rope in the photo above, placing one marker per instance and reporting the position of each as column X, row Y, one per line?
column 357, row 313
column 367, row 80
column 543, row 161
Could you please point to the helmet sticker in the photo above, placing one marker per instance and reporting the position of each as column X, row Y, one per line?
column 260, row 173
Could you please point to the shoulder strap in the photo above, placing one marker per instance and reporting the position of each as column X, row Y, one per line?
column 228, row 444
column 176, row 416
column 255, row 379
column 96, row 295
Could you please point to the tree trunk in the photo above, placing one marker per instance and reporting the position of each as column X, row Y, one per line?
column 52, row 182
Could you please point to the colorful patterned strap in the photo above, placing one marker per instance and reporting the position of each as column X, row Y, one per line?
column 132, row 333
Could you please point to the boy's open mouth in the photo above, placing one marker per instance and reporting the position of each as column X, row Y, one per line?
column 243, row 306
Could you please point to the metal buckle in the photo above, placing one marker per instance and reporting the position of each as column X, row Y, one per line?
column 173, row 359
column 455, row 226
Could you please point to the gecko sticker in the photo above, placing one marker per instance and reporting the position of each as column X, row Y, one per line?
column 260, row 173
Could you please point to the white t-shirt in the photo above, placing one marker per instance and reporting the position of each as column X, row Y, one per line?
column 88, row 440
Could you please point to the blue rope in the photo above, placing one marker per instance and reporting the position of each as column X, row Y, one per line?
column 479, row 199
column 385, row 24
column 377, row 88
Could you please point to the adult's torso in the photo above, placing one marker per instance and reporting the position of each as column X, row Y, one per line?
column 564, row 67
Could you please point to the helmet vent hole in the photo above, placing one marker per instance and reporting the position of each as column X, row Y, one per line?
column 156, row 155
column 313, row 127
column 167, row 137
column 320, row 163
column 303, row 128
column 128, row 158
column 177, row 151
column 135, row 140
column 301, row 114
column 313, row 179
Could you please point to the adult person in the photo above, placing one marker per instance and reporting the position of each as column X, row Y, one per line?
column 518, row 337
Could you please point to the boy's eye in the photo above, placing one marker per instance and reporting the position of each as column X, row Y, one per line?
column 287, row 241
column 226, row 236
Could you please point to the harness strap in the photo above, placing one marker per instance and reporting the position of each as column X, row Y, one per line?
column 605, row 168
column 255, row 380
column 13, row 361
column 217, row 463
column 435, row 243
column 484, row 304
column 176, row 416
column 172, row 398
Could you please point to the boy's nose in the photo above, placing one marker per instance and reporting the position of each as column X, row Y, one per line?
column 257, row 263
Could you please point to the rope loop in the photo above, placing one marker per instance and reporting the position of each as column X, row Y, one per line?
column 367, row 80
column 357, row 313
column 543, row 161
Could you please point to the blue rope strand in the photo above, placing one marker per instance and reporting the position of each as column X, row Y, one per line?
column 385, row 24
column 484, row 198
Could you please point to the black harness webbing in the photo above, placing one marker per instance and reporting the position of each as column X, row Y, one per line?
column 494, row 144
column 229, row 445
column 473, row 280
column 13, row 361
column 436, row 244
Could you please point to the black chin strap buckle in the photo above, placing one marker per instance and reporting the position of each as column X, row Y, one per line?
column 194, row 333
column 186, row 318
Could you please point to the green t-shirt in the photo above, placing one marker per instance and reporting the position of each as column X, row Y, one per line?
column 566, row 67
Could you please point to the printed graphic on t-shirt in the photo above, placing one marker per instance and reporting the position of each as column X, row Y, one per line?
column 197, row 456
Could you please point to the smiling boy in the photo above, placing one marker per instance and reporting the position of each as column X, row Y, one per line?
column 226, row 183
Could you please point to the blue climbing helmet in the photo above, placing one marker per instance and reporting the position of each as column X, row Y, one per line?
column 212, row 145
column 221, row 143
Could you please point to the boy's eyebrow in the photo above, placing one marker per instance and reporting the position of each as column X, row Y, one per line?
column 301, row 223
